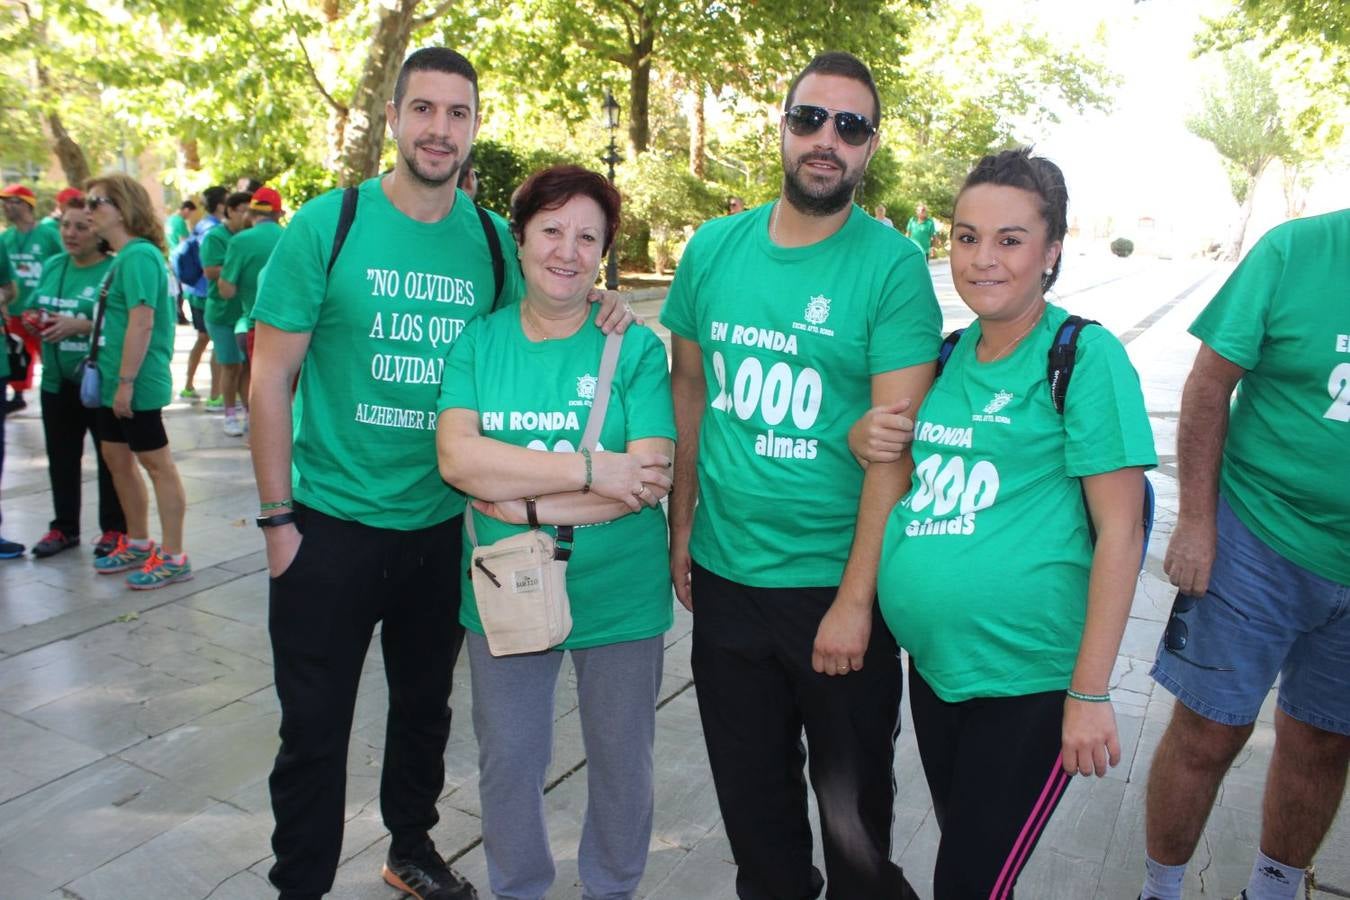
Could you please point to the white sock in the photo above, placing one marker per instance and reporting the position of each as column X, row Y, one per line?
column 1272, row 880
column 1162, row 882
column 140, row 543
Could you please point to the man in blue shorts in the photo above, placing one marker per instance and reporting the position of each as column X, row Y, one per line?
column 1261, row 557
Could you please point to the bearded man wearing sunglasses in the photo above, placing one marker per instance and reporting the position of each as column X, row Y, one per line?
column 788, row 323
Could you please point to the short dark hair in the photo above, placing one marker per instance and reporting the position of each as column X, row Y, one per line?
column 214, row 196
column 188, row 205
column 552, row 187
column 237, row 199
column 1018, row 168
column 435, row 59
column 844, row 65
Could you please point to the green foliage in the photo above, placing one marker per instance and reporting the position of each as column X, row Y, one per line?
column 660, row 194
column 1122, row 247
column 1240, row 116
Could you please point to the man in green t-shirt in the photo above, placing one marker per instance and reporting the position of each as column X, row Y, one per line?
column 222, row 312
column 1261, row 558
column 788, row 322
column 248, row 253
column 920, row 229
column 29, row 247
column 352, row 467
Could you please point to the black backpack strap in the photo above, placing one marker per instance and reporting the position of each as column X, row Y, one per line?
column 945, row 351
column 1063, row 355
column 344, row 223
column 494, row 243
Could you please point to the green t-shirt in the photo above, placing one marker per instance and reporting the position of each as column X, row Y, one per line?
column 219, row 311
column 139, row 277
column 985, row 562
column 175, row 229
column 537, row 395
column 921, row 233
column 790, row 339
column 244, row 261
column 6, row 276
column 67, row 290
column 28, row 252
column 381, row 327
column 1284, row 316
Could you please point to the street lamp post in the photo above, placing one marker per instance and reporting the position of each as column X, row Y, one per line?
column 612, row 158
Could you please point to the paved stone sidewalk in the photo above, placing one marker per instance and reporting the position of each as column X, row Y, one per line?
column 137, row 730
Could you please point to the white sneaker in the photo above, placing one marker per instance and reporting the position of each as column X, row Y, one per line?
column 233, row 427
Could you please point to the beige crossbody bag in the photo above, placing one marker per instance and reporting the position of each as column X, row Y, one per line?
column 520, row 582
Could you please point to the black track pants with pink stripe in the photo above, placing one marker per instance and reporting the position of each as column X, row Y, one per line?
column 993, row 768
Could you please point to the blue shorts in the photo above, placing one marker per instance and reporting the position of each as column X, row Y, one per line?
column 223, row 343
column 1262, row 616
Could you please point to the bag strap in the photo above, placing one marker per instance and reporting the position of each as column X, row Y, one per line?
column 98, row 316
column 945, row 351
column 494, row 243
column 1063, row 355
column 609, row 362
column 346, row 216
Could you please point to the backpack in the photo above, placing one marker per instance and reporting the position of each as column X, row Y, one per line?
column 187, row 261
column 1059, row 369
column 347, row 216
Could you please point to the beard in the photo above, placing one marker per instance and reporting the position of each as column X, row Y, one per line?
column 432, row 179
column 812, row 197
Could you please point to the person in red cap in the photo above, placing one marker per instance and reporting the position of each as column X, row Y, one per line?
column 28, row 247
column 248, row 252
column 64, row 198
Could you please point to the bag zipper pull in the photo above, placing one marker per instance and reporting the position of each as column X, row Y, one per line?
column 487, row 572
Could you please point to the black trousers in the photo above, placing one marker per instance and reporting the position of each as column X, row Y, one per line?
column 65, row 421
column 993, row 768
column 757, row 693
column 346, row 577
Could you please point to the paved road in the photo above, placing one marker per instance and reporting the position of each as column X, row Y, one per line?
column 137, row 730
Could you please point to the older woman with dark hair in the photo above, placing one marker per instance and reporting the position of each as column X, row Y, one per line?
column 135, row 345
column 517, row 390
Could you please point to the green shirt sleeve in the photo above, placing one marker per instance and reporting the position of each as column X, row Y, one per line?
column 233, row 262
column 292, row 288
column 1234, row 324
column 678, row 313
column 1106, row 425
column 906, row 322
column 646, row 388
column 459, row 389
column 214, row 246
column 141, row 276
column 513, row 282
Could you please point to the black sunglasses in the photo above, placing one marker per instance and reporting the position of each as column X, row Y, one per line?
column 1177, row 635
column 853, row 129
column 95, row 202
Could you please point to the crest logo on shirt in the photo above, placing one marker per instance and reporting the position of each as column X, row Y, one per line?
column 586, row 387
column 1001, row 399
column 991, row 410
column 87, row 292
column 817, row 310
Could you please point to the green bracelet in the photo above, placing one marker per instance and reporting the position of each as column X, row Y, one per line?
column 586, row 455
column 280, row 504
column 1089, row 698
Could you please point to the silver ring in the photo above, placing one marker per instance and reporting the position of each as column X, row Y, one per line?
column 845, row 668
column 640, row 491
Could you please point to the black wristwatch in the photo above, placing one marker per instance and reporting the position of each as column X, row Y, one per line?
column 285, row 518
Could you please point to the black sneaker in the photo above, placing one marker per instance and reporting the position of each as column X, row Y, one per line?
column 53, row 542
column 427, row 877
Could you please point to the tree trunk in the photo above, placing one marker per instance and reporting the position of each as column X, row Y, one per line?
column 69, row 153
column 698, row 160
column 1244, row 217
column 639, row 91
column 363, row 134
column 192, row 159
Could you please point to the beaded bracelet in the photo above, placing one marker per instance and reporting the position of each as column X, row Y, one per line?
column 1089, row 698
column 280, row 504
column 586, row 455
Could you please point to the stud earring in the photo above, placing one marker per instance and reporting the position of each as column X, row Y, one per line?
column 1049, row 271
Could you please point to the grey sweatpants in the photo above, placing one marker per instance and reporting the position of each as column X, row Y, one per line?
column 513, row 700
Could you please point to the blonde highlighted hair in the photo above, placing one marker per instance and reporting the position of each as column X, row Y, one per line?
column 133, row 201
